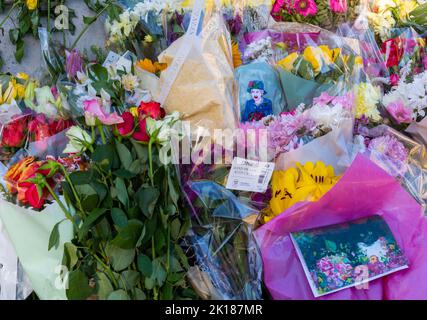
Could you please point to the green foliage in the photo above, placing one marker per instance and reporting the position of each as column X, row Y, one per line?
column 128, row 228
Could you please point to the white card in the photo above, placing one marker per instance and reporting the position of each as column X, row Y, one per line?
column 111, row 59
column 250, row 175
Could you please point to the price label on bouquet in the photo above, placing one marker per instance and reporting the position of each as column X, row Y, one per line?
column 249, row 175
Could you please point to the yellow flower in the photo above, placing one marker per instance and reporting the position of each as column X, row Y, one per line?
column 32, row 4
column 134, row 111
column 315, row 56
column 329, row 55
column 358, row 61
column 23, row 76
column 303, row 183
column 11, row 92
column 237, row 58
column 366, row 99
column 151, row 67
column 288, row 62
column 148, row 38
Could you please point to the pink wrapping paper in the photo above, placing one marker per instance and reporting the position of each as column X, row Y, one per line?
column 364, row 190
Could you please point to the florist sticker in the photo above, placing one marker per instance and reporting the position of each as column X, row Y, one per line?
column 249, row 175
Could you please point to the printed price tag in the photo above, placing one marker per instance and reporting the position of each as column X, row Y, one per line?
column 249, row 175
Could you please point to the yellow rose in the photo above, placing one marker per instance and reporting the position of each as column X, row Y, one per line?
column 288, row 62
column 317, row 57
column 32, row 4
column 134, row 111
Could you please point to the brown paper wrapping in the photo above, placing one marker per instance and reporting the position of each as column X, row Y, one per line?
column 204, row 90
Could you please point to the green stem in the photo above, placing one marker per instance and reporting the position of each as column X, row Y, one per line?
column 150, row 161
column 9, row 13
column 153, row 254
column 61, row 205
column 86, row 28
column 67, row 178
column 107, row 269
column 101, row 132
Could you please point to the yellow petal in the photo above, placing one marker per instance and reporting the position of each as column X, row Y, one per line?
column 288, row 62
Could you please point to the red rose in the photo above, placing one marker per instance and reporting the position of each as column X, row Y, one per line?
column 393, row 51
column 57, row 126
column 152, row 109
column 141, row 135
column 126, row 128
column 14, row 133
column 33, row 198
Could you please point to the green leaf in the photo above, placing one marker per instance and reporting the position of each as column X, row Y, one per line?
column 139, row 294
column 104, row 286
column 173, row 190
column 90, row 220
column 124, row 155
column 129, row 235
column 159, row 273
column 141, row 151
column 100, row 72
column 88, row 20
column 129, row 279
column 19, row 53
column 175, row 229
column 122, row 192
column 145, row 265
column 124, row 174
column 118, row 295
column 147, row 199
column 70, row 258
column 14, row 36
column 119, row 217
column 106, row 156
column 120, row 258
column 330, row 245
column 79, row 288
column 54, row 236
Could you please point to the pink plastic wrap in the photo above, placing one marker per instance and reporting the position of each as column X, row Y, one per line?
column 364, row 190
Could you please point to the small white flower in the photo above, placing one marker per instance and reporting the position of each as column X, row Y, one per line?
column 130, row 82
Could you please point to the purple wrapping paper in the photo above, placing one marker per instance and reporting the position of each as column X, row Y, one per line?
column 364, row 190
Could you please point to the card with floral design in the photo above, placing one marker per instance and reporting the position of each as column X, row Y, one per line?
column 350, row 254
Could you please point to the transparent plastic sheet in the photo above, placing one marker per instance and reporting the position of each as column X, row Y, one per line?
column 411, row 172
column 14, row 135
column 227, row 263
column 351, row 198
column 403, row 54
column 327, row 63
column 327, row 14
column 373, row 60
column 205, row 61
column 14, row 284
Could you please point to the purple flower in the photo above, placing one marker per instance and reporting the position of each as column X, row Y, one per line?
column 389, row 146
column 235, row 24
column 323, row 99
column 73, row 63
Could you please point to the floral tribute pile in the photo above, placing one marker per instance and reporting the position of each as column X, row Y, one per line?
column 114, row 153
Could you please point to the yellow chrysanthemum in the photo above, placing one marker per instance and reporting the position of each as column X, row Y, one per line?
column 367, row 98
column 288, row 62
column 303, row 183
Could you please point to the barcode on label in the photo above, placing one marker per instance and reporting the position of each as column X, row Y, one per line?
column 261, row 178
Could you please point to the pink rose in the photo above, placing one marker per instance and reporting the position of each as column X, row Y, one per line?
column 94, row 110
